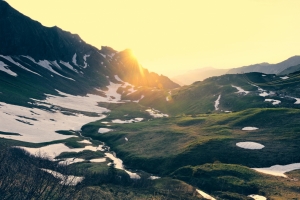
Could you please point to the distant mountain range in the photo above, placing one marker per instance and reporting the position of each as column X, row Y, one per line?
column 290, row 65
column 267, row 68
column 198, row 75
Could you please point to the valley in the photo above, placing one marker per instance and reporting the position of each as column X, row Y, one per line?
column 77, row 122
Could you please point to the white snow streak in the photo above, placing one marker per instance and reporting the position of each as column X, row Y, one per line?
column 217, row 102
column 240, row 90
column 4, row 68
column 18, row 64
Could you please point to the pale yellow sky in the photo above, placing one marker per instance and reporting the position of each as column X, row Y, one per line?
column 168, row 36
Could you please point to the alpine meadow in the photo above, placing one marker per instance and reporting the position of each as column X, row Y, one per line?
column 80, row 122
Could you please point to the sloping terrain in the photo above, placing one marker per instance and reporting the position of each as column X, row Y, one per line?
column 94, row 124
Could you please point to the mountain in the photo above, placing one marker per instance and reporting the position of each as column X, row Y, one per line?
column 77, row 122
column 266, row 67
column 198, row 75
column 290, row 70
column 40, row 59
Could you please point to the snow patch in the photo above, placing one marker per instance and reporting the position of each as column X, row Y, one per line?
column 154, row 177
column 36, row 125
column 156, row 113
column 65, row 179
column 74, row 59
column 53, row 150
column 278, row 170
column 104, row 130
column 84, row 58
column 205, row 195
column 97, row 160
column 257, row 197
column 69, row 161
column 284, row 77
column 119, row 165
column 119, row 121
column 217, row 102
column 4, row 68
column 250, row 145
column 297, row 100
column 240, row 90
column 274, row 102
column 88, row 103
column 18, row 64
column 67, row 64
column 85, row 142
column 46, row 64
column 264, row 94
column 249, row 128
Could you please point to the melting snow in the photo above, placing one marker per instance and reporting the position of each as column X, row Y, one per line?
column 274, row 102
column 217, row 102
column 74, row 60
column 84, row 58
column 240, row 90
column 85, row 142
column 284, row 77
column 154, row 177
column 119, row 121
column 119, row 165
column 103, row 55
column 257, row 197
column 249, row 128
column 88, row 103
column 264, row 94
column 132, row 175
column 18, row 64
column 104, row 130
column 250, row 145
column 97, row 160
column 205, row 195
column 36, row 125
column 53, row 150
column 4, row 68
column 65, row 179
column 156, row 113
column 297, row 100
column 278, row 170
column 69, row 161
column 67, row 64
column 46, row 64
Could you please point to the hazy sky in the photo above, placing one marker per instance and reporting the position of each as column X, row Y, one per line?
column 168, row 36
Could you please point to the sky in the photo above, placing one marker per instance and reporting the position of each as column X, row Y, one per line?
column 171, row 37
